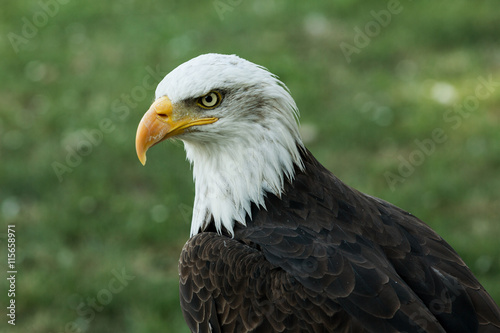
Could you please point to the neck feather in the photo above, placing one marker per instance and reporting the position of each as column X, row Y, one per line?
column 230, row 177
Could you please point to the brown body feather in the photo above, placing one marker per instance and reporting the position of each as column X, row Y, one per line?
column 327, row 258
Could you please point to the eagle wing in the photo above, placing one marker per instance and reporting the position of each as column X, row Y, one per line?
column 229, row 286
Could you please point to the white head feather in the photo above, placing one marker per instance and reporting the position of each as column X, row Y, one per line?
column 249, row 151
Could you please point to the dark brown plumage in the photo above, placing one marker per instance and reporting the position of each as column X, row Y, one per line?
column 326, row 258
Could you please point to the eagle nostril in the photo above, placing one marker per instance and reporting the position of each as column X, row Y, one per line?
column 162, row 117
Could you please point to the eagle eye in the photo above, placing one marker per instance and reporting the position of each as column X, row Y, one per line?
column 210, row 100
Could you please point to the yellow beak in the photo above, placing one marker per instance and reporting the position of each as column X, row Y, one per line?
column 161, row 122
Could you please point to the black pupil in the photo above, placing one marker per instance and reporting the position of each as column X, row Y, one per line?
column 209, row 99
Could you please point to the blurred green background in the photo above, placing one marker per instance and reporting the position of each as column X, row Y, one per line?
column 76, row 78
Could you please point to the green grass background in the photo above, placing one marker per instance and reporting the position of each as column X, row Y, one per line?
column 108, row 212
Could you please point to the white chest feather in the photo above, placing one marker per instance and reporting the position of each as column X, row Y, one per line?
column 229, row 178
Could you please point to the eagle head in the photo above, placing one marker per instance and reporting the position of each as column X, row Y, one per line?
column 238, row 123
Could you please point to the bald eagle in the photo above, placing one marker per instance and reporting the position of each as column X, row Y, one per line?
column 280, row 244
